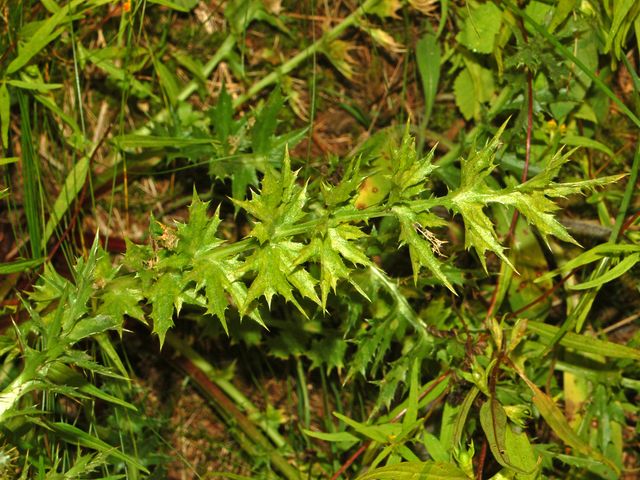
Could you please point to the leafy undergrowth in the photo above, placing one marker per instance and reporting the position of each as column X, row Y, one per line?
column 377, row 240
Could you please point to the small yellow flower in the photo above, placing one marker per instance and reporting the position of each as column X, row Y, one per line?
column 126, row 6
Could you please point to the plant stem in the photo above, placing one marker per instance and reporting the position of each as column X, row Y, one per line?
column 308, row 52
column 227, row 387
column 217, row 396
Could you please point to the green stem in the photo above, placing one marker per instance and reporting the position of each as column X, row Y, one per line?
column 226, row 386
column 302, row 388
column 303, row 55
column 227, row 408
column 192, row 86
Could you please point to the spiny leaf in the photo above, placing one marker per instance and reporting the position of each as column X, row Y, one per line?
column 279, row 204
column 164, row 296
column 198, row 235
column 409, row 172
column 329, row 249
column 472, row 196
column 421, row 246
column 276, row 274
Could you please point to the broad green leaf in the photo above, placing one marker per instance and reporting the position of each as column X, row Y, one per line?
column 583, row 343
column 494, row 423
column 624, row 11
column 480, row 28
column 72, row 185
column 620, row 269
column 510, row 450
column 521, row 454
column 473, row 86
column 428, row 60
column 373, row 190
column 416, row 471
column 436, row 449
column 5, row 114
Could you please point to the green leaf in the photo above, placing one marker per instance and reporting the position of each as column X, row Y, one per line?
column 560, row 14
column 5, row 114
column 583, row 343
column 126, row 142
column 168, row 81
column 494, row 423
column 428, row 60
column 279, row 204
column 329, row 250
column 620, row 269
column 72, row 185
column 503, row 442
column 184, row 6
column 377, row 433
column 222, row 118
column 19, row 266
column 421, row 245
column 521, row 454
column 276, row 274
column 409, row 172
column 472, row 87
column 328, row 352
column 416, row 471
column 34, row 84
column 596, row 253
column 480, row 28
column 241, row 13
column 332, row 437
column 165, row 294
column 40, row 38
column 75, row 436
column 558, row 423
column 266, row 122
